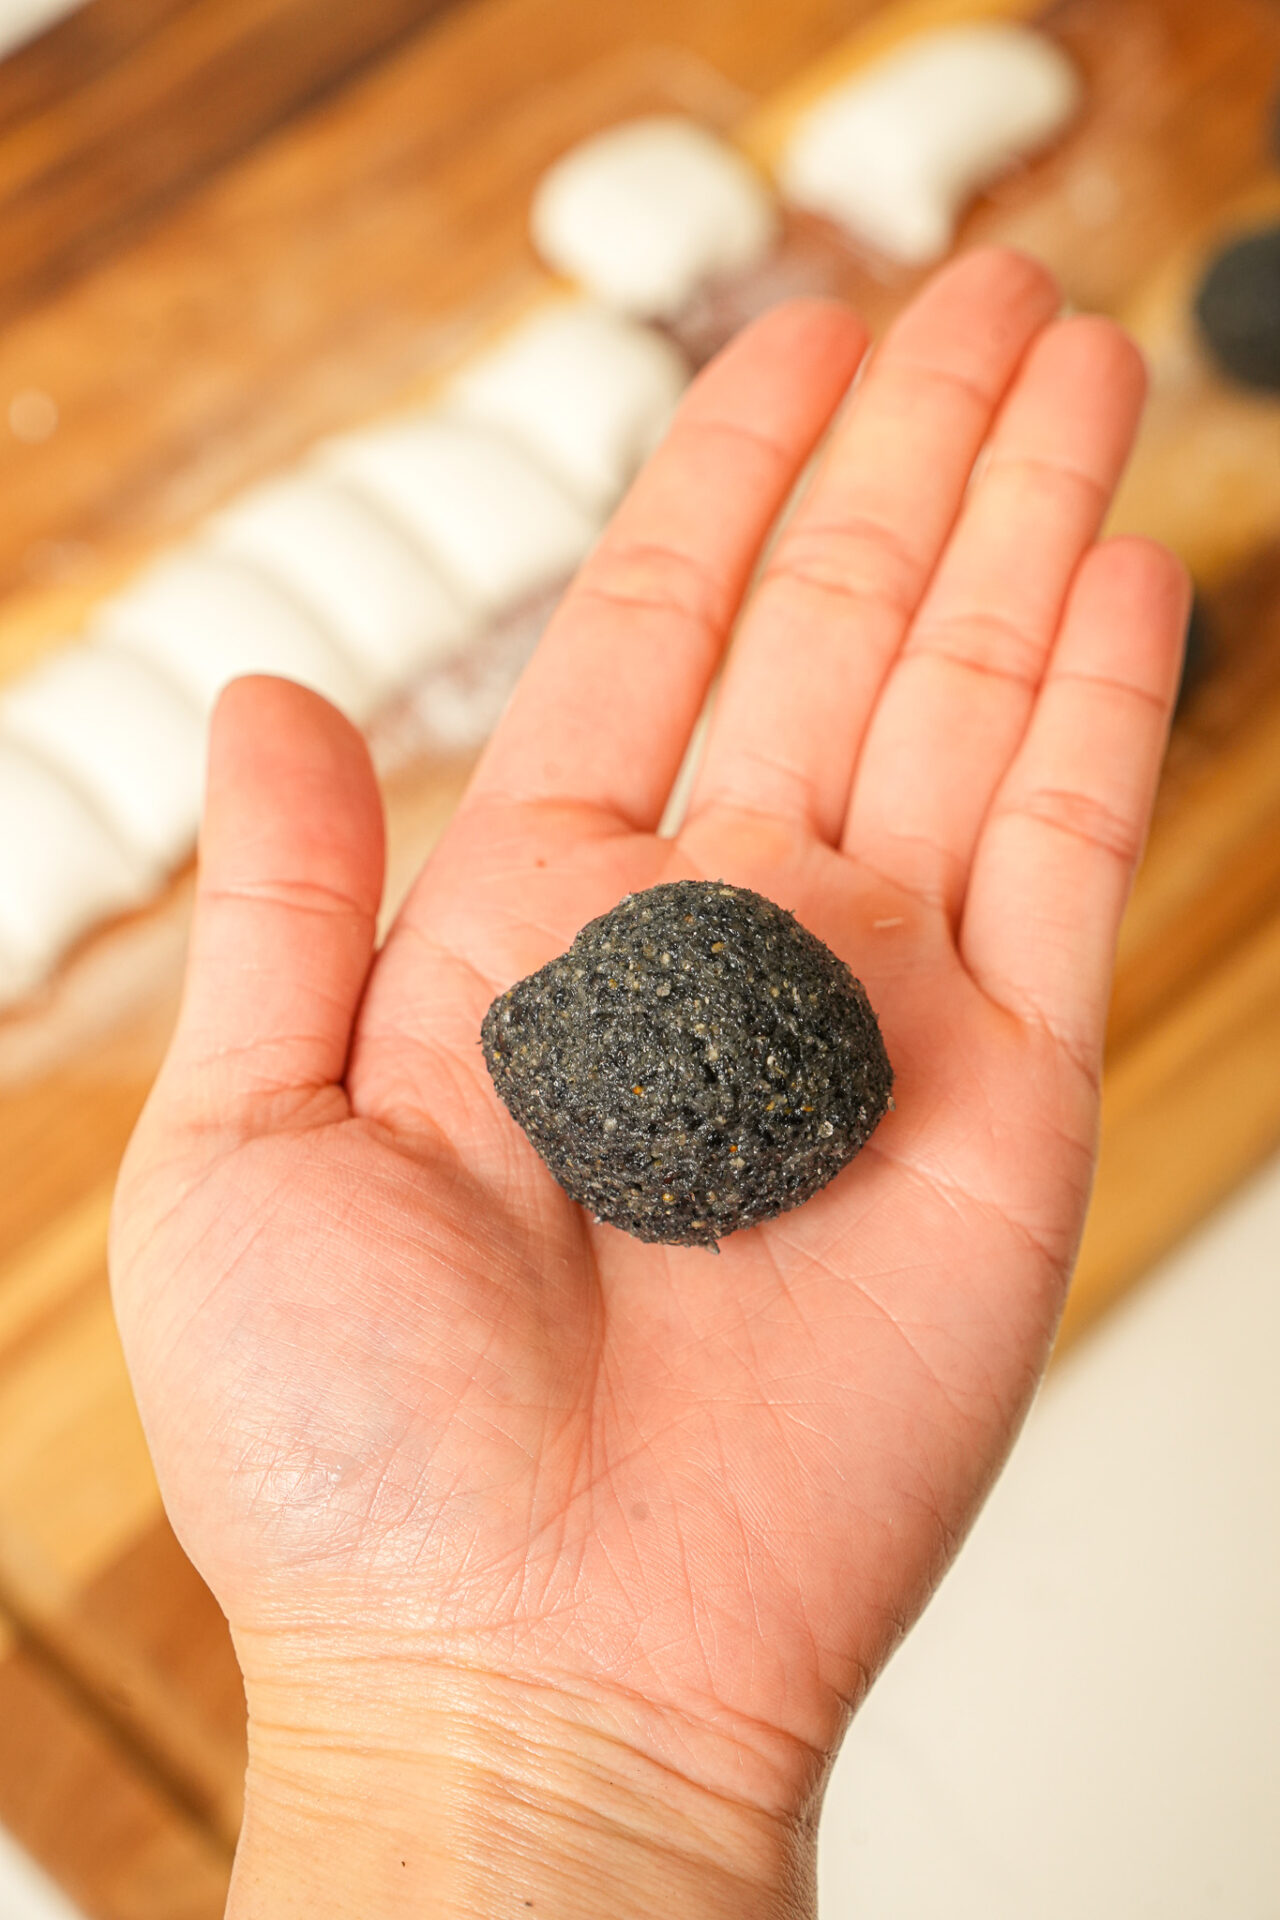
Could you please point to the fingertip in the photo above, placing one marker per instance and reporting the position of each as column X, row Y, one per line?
column 287, row 895
column 261, row 715
column 991, row 298
column 1127, row 617
column 777, row 383
column 809, row 330
column 816, row 314
column 803, row 311
column 1145, row 578
column 1099, row 349
column 286, row 764
column 1003, row 271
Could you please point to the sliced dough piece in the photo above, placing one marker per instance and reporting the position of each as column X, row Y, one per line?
column 643, row 215
column 203, row 619
column 487, row 515
column 123, row 736
column 589, row 392
column 60, row 869
column 359, row 573
column 896, row 153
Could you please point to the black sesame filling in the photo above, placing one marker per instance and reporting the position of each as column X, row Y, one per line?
column 696, row 1062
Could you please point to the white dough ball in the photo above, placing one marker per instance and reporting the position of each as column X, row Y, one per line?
column 204, row 619
column 60, row 870
column 490, row 519
column 360, row 574
column 125, row 737
column 644, row 214
column 588, row 392
column 897, row 152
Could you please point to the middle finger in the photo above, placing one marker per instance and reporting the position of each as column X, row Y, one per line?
column 840, row 591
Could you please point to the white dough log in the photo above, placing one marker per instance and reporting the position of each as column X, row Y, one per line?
column 60, row 870
column 489, row 518
column 896, row 153
column 354, row 569
column 126, row 738
column 203, row 619
column 587, row 391
column 644, row 214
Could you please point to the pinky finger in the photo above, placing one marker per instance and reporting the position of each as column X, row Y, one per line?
column 1065, row 831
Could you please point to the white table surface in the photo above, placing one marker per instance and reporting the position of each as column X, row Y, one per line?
column 1086, row 1722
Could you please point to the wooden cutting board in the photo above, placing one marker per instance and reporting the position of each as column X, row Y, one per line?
column 229, row 226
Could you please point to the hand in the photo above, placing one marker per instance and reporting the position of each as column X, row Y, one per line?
column 556, row 1561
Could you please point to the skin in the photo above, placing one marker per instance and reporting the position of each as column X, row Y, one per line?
column 556, row 1562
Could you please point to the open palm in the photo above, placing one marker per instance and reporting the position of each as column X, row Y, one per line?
column 396, row 1383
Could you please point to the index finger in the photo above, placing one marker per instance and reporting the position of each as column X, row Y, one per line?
column 605, row 709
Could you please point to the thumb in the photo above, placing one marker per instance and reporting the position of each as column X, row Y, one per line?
column 290, row 880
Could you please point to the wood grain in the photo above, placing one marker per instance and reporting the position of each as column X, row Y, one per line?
column 161, row 100
column 1188, row 1111
column 105, row 1828
column 1204, row 439
column 76, row 50
column 313, row 284
column 1172, row 134
column 1212, row 869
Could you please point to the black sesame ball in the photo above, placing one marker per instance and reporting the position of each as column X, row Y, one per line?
column 696, row 1062
column 1197, row 651
column 1238, row 308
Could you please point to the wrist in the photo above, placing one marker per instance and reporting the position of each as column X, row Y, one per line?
column 385, row 1787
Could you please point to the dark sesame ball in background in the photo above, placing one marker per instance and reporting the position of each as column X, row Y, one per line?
column 1238, row 309
column 1195, row 658
column 695, row 1063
